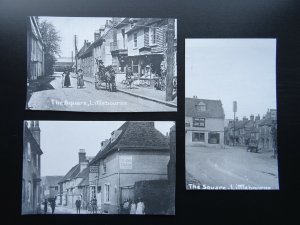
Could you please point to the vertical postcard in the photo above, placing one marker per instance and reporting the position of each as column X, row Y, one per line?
column 231, row 114
column 99, row 167
column 98, row 64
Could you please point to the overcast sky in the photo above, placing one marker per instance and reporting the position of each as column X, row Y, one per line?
column 242, row 70
column 83, row 27
column 61, row 141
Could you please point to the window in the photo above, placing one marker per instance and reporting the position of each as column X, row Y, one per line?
column 37, row 161
column 104, row 167
column 201, row 107
column 56, row 188
column 107, row 190
column 199, row 122
column 213, row 138
column 123, row 36
column 198, row 137
column 28, row 191
column 135, row 66
column 93, row 192
column 28, row 151
column 135, row 40
column 23, row 190
column 153, row 36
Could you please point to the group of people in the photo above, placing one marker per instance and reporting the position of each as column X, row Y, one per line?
column 51, row 202
column 131, row 207
column 67, row 80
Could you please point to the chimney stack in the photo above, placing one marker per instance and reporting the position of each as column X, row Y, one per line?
column 252, row 117
column 82, row 155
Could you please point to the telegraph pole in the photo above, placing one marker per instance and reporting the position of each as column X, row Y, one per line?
column 234, row 111
column 170, row 59
column 76, row 51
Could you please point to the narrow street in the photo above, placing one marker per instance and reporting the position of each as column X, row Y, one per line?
column 231, row 168
column 54, row 97
column 65, row 210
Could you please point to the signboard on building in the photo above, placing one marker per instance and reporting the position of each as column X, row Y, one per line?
column 125, row 162
column 93, row 169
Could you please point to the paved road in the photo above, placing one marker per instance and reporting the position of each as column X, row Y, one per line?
column 65, row 210
column 227, row 168
column 89, row 99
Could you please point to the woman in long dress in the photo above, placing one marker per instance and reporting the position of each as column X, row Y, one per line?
column 132, row 208
column 140, row 207
column 67, row 82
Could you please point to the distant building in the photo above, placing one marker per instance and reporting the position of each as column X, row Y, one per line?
column 63, row 63
column 70, row 183
column 31, row 178
column 135, row 152
column 204, row 122
column 51, row 188
column 35, row 50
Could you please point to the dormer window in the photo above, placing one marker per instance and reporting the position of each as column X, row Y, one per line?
column 201, row 107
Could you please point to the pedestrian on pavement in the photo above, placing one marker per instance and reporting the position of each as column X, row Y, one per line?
column 67, row 82
column 78, row 205
column 129, row 77
column 133, row 207
column 125, row 207
column 140, row 207
column 45, row 203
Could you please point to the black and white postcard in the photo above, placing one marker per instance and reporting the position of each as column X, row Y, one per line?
column 97, row 64
column 230, row 114
column 93, row 167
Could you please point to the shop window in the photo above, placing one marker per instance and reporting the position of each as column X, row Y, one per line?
column 199, row 122
column 198, row 137
column 135, row 66
column 213, row 138
column 107, row 193
column 135, row 40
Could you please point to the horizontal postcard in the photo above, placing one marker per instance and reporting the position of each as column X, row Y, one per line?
column 99, row 167
column 98, row 64
column 230, row 114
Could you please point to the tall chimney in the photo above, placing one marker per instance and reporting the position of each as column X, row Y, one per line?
column 82, row 155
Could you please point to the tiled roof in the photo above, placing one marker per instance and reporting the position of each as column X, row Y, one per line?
column 142, row 23
column 51, row 180
column 214, row 108
column 84, row 182
column 83, row 173
column 71, row 174
column 136, row 135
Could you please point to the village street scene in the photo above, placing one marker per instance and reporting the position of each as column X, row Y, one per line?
column 101, row 64
column 231, row 130
column 93, row 167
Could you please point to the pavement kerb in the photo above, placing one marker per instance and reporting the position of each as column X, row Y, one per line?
column 141, row 96
column 148, row 98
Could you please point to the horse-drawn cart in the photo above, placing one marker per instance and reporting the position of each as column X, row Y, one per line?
column 107, row 76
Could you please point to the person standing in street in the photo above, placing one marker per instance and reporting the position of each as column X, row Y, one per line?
column 94, row 205
column 133, row 207
column 78, row 205
column 52, row 204
column 67, row 82
column 140, row 207
column 45, row 203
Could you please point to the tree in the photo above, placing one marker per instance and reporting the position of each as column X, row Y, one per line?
column 51, row 41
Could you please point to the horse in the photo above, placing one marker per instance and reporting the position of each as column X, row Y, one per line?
column 106, row 75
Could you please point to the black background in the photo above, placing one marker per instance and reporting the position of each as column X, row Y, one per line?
column 196, row 19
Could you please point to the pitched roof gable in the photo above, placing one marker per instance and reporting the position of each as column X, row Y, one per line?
column 138, row 135
column 71, row 173
column 214, row 108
